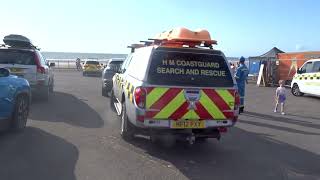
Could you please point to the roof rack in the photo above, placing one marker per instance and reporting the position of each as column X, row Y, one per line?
column 135, row 46
column 179, row 37
column 18, row 41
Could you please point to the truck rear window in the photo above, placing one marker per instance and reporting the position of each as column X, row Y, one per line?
column 189, row 69
column 17, row 57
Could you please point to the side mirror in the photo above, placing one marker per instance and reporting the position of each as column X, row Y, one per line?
column 299, row 71
column 4, row 72
column 52, row 64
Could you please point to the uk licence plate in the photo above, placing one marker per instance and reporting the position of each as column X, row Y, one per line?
column 188, row 124
column 16, row 70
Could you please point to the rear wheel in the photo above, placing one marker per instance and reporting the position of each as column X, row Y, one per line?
column 51, row 86
column 112, row 99
column 296, row 90
column 127, row 129
column 104, row 92
column 21, row 112
column 45, row 94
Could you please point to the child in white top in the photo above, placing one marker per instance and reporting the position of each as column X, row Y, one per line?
column 280, row 97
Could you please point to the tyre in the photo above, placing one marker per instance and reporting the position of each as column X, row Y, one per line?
column 126, row 129
column 45, row 93
column 104, row 92
column 295, row 90
column 21, row 112
column 51, row 87
column 202, row 139
column 112, row 99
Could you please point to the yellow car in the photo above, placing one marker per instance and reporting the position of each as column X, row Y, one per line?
column 92, row 68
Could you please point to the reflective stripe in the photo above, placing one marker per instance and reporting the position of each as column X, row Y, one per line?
column 210, row 106
column 312, row 83
column 191, row 114
column 227, row 97
column 171, row 107
column 171, row 103
column 154, row 96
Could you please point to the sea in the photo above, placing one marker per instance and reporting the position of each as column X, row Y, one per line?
column 74, row 56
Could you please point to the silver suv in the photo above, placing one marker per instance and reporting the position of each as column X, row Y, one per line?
column 25, row 60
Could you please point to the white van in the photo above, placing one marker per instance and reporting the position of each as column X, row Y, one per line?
column 307, row 79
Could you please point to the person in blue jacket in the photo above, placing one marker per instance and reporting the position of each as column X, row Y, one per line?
column 241, row 78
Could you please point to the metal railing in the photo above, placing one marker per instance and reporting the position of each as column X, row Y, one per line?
column 71, row 63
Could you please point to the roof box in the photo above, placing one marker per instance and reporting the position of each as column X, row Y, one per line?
column 15, row 40
column 184, row 34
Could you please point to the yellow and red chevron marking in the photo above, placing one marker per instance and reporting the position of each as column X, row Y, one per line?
column 170, row 103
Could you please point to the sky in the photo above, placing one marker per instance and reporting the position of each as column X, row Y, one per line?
column 242, row 27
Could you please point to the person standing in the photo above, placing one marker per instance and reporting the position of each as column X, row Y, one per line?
column 233, row 68
column 280, row 97
column 241, row 79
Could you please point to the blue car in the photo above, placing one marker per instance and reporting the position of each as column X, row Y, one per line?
column 15, row 98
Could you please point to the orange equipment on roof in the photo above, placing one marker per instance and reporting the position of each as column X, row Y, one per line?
column 179, row 37
column 186, row 35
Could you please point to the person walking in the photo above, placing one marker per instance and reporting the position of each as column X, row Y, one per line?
column 280, row 97
column 78, row 64
column 241, row 79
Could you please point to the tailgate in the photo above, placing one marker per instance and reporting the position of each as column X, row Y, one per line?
column 28, row 72
column 190, row 104
column 21, row 63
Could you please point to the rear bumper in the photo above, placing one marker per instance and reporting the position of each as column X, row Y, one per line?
column 93, row 72
column 166, row 124
column 35, row 89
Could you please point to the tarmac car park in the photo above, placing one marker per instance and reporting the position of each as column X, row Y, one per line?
column 180, row 89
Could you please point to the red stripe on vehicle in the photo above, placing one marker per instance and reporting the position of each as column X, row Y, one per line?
column 180, row 112
column 202, row 112
column 215, row 97
column 151, row 114
column 229, row 115
column 149, row 89
column 219, row 102
column 165, row 98
column 231, row 91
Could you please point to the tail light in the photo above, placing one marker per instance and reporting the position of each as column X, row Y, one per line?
column 140, row 97
column 237, row 100
column 236, row 106
column 40, row 68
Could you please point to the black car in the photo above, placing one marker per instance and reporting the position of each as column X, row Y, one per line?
column 107, row 74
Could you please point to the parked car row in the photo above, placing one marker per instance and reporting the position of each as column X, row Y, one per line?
column 25, row 73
